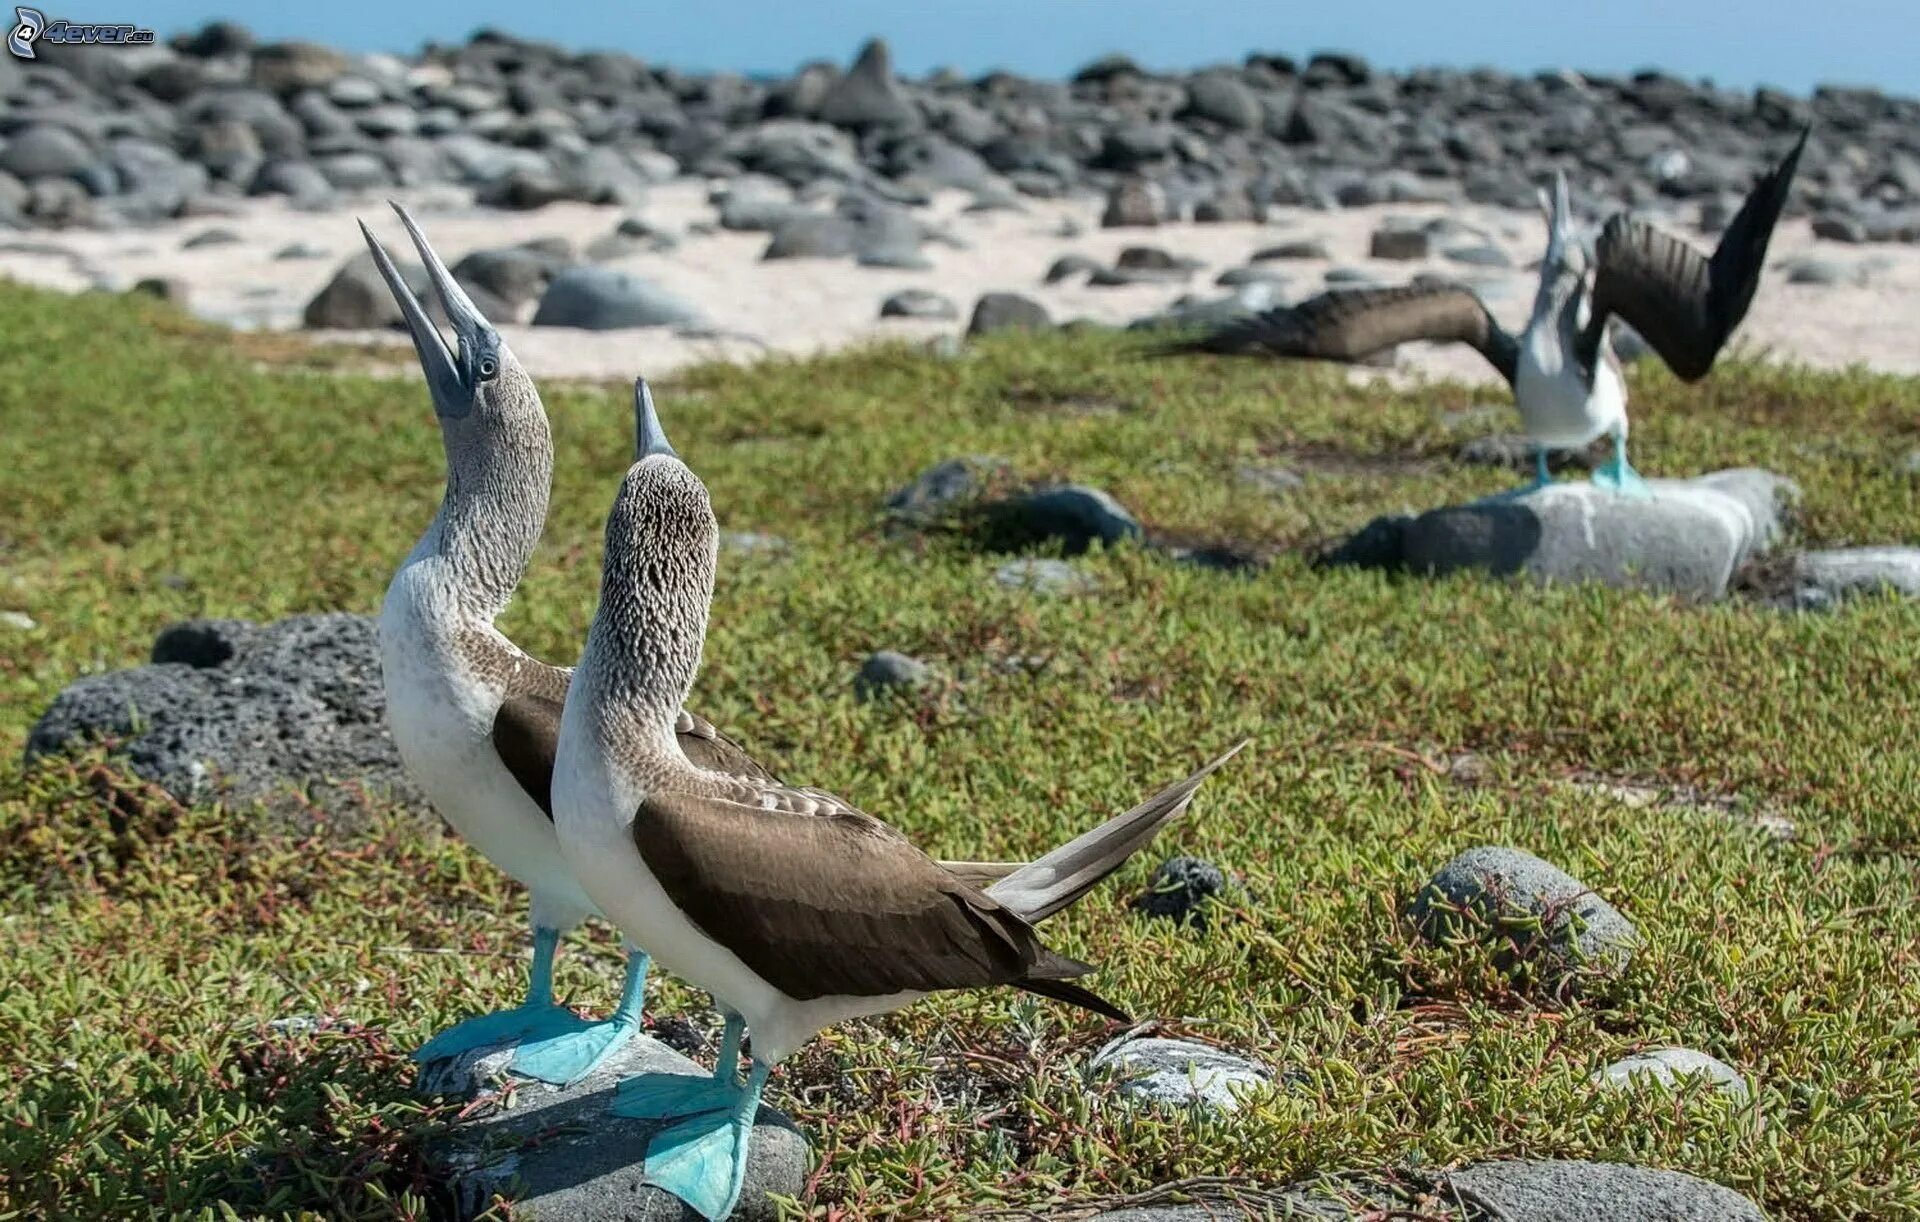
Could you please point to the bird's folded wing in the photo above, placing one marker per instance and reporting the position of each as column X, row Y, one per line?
column 820, row 899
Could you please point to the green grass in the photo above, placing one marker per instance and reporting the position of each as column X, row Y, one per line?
column 155, row 470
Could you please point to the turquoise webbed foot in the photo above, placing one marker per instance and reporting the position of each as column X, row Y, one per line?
column 520, row 1025
column 665, row 1096
column 1618, row 474
column 568, row 1056
column 701, row 1157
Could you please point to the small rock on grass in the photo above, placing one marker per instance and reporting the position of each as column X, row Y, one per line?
column 946, row 485
column 1044, row 575
column 1180, row 891
column 1669, row 1067
column 1073, row 515
column 1178, row 1073
column 1572, row 1190
column 888, row 671
column 1531, row 910
column 1007, row 312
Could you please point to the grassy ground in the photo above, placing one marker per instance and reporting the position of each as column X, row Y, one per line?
column 155, row 471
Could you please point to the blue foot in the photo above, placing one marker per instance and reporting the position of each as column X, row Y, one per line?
column 664, row 1096
column 568, row 1056
column 702, row 1156
column 1618, row 475
column 520, row 1025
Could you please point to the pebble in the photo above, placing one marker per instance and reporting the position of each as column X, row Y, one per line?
column 1668, row 1067
column 1178, row 1074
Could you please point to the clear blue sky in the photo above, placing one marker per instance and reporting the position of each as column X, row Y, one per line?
column 1794, row 44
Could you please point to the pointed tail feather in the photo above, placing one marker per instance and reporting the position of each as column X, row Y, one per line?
column 1041, row 888
column 1074, row 995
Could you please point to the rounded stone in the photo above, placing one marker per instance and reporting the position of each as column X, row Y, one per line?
column 1669, row 1067
column 1178, row 1074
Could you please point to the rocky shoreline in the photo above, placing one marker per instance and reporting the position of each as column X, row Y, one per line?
column 99, row 137
column 662, row 217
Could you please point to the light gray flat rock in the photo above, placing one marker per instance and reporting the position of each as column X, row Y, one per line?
column 1667, row 1067
column 1571, row 1190
column 1825, row 577
column 1178, row 1073
column 561, row 1156
column 1687, row 538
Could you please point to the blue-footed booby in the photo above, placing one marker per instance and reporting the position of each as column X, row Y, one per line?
column 795, row 909
column 475, row 718
column 1565, row 377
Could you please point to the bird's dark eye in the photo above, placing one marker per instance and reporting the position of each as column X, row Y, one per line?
column 487, row 367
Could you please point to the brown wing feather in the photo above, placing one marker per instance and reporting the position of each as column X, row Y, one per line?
column 820, row 899
column 526, row 734
column 1353, row 324
column 1685, row 304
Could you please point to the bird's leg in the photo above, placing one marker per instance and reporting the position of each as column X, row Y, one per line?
column 1617, row 473
column 726, row 1067
column 567, row 1055
column 1541, row 478
column 535, row 1018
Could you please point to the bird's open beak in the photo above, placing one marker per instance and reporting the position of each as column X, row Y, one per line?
column 648, row 436
column 448, row 371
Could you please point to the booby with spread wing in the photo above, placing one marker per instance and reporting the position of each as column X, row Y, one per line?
column 792, row 907
column 1562, row 369
column 475, row 718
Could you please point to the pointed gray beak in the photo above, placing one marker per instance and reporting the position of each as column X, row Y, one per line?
column 448, row 374
column 648, row 436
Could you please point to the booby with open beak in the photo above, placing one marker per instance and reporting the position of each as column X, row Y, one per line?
column 474, row 717
column 1562, row 369
column 792, row 907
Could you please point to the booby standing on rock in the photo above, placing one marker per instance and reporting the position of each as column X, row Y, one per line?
column 475, row 718
column 1565, row 377
column 793, row 908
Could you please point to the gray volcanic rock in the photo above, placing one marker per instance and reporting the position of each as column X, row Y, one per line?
column 813, row 235
column 947, row 485
column 1180, row 889
column 1044, row 575
column 1687, row 538
column 1581, row 938
column 868, row 96
column 561, row 1155
column 1823, row 578
column 1570, row 1190
column 1007, row 312
column 1136, row 202
column 357, row 298
column 918, row 303
column 46, row 150
column 1178, row 1073
column 242, row 711
column 1667, row 1067
column 515, row 275
column 888, row 671
column 1073, row 515
column 605, row 299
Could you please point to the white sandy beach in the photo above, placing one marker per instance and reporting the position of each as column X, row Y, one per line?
column 807, row 305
